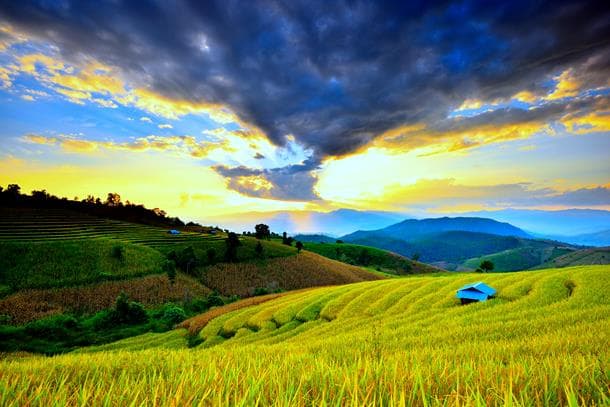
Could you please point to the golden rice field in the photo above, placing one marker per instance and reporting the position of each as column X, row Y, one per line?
column 542, row 341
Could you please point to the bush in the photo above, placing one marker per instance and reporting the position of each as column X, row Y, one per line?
column 127, row 312
column 173, row 314
column 260, row 291
column 55, row 327
column 214, row 300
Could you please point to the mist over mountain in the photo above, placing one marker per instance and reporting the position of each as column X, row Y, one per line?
column 599, row 239
column 568, row 222
column 335, row 223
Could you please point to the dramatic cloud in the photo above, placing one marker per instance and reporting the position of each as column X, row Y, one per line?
column 334, row 75
column 289, row 183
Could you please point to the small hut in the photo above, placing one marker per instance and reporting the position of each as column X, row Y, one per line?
column 475, row 292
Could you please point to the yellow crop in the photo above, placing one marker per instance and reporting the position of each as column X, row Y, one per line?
column 542, row 341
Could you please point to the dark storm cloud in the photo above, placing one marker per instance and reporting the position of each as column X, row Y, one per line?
column 333, row 74
column 294, row 182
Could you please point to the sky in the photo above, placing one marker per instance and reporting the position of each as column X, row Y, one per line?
column 210, row 109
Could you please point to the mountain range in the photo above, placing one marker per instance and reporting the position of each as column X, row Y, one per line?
column 460, row 243
column 589, row 227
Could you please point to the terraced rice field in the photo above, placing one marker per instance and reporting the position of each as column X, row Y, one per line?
column 542, row 341
column 50, row 225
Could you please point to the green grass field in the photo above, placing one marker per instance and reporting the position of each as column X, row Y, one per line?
column 541, row 341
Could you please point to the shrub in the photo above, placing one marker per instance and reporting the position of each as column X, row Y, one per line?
column 173, row 314
column 260, row 291
column 55, row 327
column 127, row 312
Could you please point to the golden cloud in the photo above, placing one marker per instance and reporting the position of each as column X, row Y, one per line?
column 593, row 122
column 180, row 144
column 567, row 86
column 408, row 138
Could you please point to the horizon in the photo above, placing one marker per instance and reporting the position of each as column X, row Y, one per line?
column 428, row 110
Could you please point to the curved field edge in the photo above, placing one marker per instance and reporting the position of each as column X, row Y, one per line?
column 542, row 341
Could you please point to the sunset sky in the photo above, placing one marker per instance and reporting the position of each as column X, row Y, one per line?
column 209, row 109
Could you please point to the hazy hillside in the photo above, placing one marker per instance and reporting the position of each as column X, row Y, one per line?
column 598, row 239
column 568, row 222
column 413, row 229
column 335, row 223
column 400, row 342
column 315, row 238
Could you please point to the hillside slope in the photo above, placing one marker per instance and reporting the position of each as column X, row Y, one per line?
column 367, row 256
column 528, row 255
column 542, row 341
column 598, row 255
column 68, row 262
column 287, row 273
column 450, row 250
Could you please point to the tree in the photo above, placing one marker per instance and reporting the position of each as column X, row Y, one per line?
column 259, row 249
column 262, row 231
column 486, row 266
column 13, row 189
column 415, row 257
column 113, row 199
column 232, row 242
column 299, row 246
column 40, row 195
column 339, row 241
column 286, row 239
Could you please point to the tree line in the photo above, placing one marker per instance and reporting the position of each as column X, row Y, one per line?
column 111, row 207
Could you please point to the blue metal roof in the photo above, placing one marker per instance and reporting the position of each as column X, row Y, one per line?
column 471, row 295
column 479, row 286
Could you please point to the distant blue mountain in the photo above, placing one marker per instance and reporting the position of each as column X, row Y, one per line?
column 414, row 229
column 568, row 222
column 599, row 239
